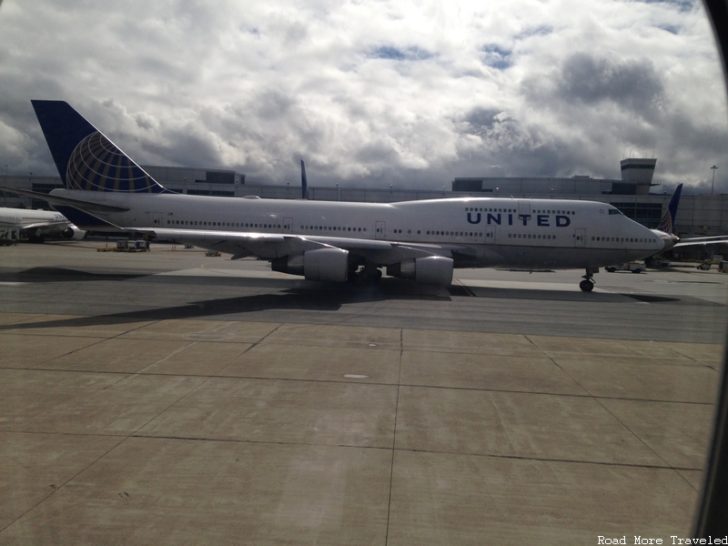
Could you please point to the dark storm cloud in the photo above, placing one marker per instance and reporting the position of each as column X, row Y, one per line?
column 482, row 120
column 376, row 153
column 187, row 142
column 595, row 109
column 509, row 147
column 272, row 104
column 592, row 79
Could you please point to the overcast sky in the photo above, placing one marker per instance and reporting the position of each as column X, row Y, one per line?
column 373, row 92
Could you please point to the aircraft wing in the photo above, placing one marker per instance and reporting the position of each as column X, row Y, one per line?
column 702, row 241
column 90, row 206
column 268, row 246
column 35, row 225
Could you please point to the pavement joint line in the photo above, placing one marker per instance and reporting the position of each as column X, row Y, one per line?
column 687, row 481
column 494, row 404
column 394, row 435
column 691, row 366
column 30, row 369
column 627, row 427
column 370, row 383
column 54, row 490
column 64, row 433
column 193, row 390
column 140, row 435
column 100, row 340
column 467, row 326
column 262, row 339
column 605, row 408
column 191, row 340
column 666, row 466
column 410, row 348
column 183, row 345
column 9, row 332
column 254, row 441
column 162, row 411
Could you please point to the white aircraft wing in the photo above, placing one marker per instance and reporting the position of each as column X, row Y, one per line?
column 702, row 241
column 88, row 206
column 272, row 245
column 45, row 225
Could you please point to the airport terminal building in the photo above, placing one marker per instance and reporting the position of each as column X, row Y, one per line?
column 697, row 215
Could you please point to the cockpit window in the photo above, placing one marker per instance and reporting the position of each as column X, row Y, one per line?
column 614, row 211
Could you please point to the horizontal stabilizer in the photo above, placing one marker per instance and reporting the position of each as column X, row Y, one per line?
column 58, row 200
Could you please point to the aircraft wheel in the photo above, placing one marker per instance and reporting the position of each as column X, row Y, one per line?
column 367, row 275
column 586, row 286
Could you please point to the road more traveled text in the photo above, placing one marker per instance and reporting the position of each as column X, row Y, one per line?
column 672, row 539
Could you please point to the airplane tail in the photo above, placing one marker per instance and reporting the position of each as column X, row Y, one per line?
column 85, row 158
column 304, row 181
column 667, row 222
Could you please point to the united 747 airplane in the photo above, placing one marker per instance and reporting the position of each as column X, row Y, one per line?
column 337, row 241
column 35, row 225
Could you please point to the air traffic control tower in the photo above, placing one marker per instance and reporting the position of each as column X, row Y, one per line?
column 636, row 176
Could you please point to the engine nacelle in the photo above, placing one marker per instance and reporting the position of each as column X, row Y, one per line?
column 429, row 270
column 73, row 233
column 323, row 264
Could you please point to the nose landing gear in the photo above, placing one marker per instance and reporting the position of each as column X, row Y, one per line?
column 587, row 285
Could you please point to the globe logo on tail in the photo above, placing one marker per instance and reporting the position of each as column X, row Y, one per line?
column 96, row 164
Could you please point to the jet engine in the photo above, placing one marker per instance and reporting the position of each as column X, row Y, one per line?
column 323, row 264
column 73, row 233
column 429, row 270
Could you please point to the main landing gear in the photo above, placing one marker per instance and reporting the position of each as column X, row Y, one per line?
column 366, row 274
column 587, row 285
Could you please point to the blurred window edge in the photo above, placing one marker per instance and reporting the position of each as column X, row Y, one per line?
column 711, row 517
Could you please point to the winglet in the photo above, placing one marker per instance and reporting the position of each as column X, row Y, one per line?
column 304, row 181
column 85, row 158
column 667, row 222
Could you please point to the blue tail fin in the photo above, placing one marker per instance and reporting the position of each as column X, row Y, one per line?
column 85, row 158
column 304, row 181
column 667, row 222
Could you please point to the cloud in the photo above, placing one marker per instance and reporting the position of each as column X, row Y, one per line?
column 412, row 53
column 404, row 93
column 496, row 56
column 631, row 84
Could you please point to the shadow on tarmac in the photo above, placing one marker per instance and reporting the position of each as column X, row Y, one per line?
column 58, row 274
column 289, row 294
column 305, row 296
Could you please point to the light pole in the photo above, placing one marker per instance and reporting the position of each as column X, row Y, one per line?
column 712, row 184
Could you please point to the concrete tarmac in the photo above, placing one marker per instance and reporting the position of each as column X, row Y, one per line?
column 169, row 397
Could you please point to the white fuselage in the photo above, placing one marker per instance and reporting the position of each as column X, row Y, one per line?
column 491, row 231
column 35, row 225
column 22, row 218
